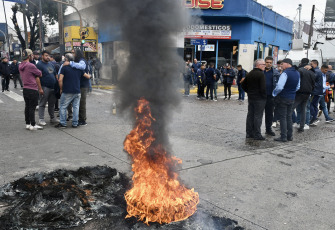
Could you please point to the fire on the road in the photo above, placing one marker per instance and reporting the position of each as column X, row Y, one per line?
column 157, row 195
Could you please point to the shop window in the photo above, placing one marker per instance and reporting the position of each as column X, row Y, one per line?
column 255, row 51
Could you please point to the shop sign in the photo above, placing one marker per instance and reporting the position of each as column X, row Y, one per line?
column 208, row 32
column 198, row 42
column 206, row 48
column 204, row 4
column 68, row 46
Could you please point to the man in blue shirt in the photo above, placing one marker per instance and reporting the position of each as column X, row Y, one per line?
column 48, row 81
column 81, row 64
column 271, row 78
column 285, row 92
column 200, row 81
column 69, row 84
column 322, row 102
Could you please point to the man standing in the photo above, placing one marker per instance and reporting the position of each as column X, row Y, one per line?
column 48, row 81
column 271, row 78
column 14, row 70
column 195, row 67
column 317, row 92
column 307, row 83
column 331, row 80
column 240, row 78
column 5, row 74
column 323, row 106
column 81, row 64
column 187, row 75
column 254, row 85
column 210, row 79
column 200, row 81
column 228, row 79
column 31, row 88
column 288, row 85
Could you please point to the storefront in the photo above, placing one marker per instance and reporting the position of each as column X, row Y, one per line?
column 236, row 32
column 73, row 40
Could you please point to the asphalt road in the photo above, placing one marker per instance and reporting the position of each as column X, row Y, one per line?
column 262, row 185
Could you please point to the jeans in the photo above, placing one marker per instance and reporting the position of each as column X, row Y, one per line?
column 300, row 104
column 269, row 109
column 5, row 82
column 31, row 100
column 187, row 87
column 65, row 100
column 324, row 107
column 314, row 107
column 285, row 109
column 194, row 78
column 82, row 107
column 227, row 86
column 50, row 98
column 210, row 87
column 241, row 93
column 255, row 117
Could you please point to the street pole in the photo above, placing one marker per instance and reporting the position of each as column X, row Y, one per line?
column 311, row 28
column 41, row 28
column 25, row 25
column 201, row 52
column 61, row 29
column 299, row 32
column 4, row 10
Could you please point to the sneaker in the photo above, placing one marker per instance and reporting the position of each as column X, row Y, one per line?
column 271, row 133
column 37, row 107
column 82, row 123
column 296, row 125
column 56, row 110
column 228, row 98
column 59, row 125
column 74, row 126
column 319, row 113
column 329, row 120
column 274, row 124
column 54, row 120
column 28, row 127
column 69, row 118
column 280, row 139
column 36, row 127
column 317, row 121
column 306, row 127
column 259, row 138
column 215, row 99
column 42, row 122
column 225, row 98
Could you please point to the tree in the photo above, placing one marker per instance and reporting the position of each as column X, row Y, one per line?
column 50, row 17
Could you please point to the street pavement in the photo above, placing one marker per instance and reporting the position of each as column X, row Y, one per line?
column 260, row 184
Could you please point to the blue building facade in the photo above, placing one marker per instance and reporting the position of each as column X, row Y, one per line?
column 255, row 32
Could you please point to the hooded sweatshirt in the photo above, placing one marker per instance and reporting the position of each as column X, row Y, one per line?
column 29, row 72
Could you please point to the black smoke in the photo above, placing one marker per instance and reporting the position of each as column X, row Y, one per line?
column 154, row 67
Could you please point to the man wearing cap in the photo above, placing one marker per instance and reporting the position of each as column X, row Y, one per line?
column 307, row 83
column 31, row 88
column 284, row 93
column 5, row 73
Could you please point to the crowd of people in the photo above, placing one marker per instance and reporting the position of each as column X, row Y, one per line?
column 57, row 83
column 208, row 77
column 288, row 95
column 294, row 96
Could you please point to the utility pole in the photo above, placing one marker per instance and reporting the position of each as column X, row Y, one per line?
column 311, row 28
column 61, row 29
column 299, row 31
column 41, row 28
column 25, row 25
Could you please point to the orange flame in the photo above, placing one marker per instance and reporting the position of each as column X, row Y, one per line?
column 157, row 195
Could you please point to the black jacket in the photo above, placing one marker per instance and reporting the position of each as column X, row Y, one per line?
column 4, row 69
column 14, row 68
column 307, row 80
column 254, row 84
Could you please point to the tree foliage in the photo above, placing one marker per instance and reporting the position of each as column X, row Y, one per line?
column 49, row 14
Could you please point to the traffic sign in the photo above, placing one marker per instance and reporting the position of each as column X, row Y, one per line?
column 199, row 42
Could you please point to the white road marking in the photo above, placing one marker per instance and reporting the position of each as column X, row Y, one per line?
column 103, row 91
column 14, row 96
column 96, row 93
